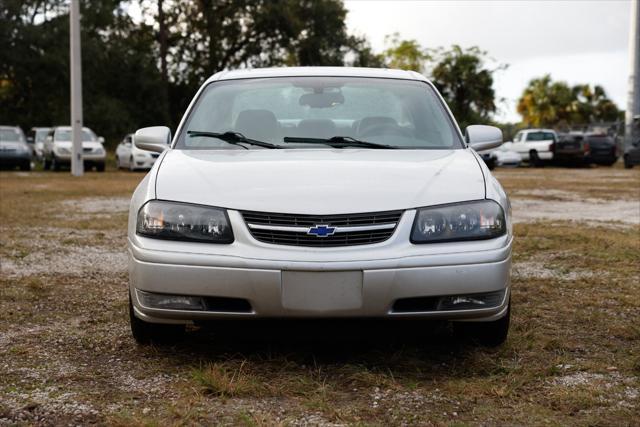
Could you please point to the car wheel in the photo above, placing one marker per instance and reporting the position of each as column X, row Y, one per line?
column 534, row 160
column 100, row 167
column 55, row 165
column 153, row 333
column 488, row 334
column 47, row 164
column 25, row 166
column 627, row 163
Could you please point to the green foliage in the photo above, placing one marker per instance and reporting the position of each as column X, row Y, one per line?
column 460, row 75
column 545, row 103
column 466, row 83
column 139, row 74
column 404, row 54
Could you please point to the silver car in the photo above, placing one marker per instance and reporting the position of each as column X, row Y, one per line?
column 14, row 150
column 58, row 149
column 319, row 193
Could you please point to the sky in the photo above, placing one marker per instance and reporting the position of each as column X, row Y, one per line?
column 574, row 41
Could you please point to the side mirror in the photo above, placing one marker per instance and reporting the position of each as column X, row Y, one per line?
column 101, row 139
column 481, row 137
column 155, row 138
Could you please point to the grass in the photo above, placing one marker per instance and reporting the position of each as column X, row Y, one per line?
column 66, row 355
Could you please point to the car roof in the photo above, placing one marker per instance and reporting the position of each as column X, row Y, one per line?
column 317, row 71
column 538, row 130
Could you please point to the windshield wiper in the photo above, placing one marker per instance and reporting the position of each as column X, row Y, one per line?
column 233, row 138
column 337, row 142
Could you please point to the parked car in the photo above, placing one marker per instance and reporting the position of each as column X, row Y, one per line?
column 130, row 156
column 319, row 192
column 632, row 155
column 58, row 148
column 572, row 148
column 535, row 146
column 14, row 150
column 501, row 156
column 632, row 152
column 506, row 157
column 37, row 137
column 603, row 149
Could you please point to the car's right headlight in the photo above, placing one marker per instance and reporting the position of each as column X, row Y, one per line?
column 62, row 150
column 182, row 221
column 475, row 220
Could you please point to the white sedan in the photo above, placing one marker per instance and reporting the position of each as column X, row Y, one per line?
column 319, row 193
column 131, row 157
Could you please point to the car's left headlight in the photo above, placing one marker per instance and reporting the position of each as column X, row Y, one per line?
column 477, row 220
column 183, row 221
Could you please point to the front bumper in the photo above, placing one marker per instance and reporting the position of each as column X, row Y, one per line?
column 143, row 162
column 280, row 281
column 86, row 158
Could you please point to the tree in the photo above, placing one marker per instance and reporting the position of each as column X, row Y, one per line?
column 460, row 75
column 404, row 54
column 466, row 83
column 545, row 103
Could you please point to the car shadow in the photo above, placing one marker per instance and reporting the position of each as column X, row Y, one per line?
column 369, row 343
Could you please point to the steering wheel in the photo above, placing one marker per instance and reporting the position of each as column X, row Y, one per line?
column 384, row 129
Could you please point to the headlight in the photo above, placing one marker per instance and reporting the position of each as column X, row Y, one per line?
column 98, row 150
column 62, row 150
column 182, row 221
column 482, row 219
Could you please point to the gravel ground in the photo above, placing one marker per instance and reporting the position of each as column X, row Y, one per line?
column 67, row 358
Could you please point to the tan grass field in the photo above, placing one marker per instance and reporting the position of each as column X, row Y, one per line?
column 572, row 357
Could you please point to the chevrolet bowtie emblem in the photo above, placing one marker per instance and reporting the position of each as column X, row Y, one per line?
column 321, row 231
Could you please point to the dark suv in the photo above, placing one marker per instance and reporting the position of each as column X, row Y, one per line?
column 603, row 149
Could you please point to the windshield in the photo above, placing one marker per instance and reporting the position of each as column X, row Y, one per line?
column 10, row 135
column 41, row 135
column 65, row 135
column 399, row 113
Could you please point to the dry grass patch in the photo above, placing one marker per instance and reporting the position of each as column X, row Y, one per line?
column 66, row 355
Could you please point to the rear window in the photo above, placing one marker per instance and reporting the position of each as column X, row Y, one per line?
column 540, row 136
column 600, row 138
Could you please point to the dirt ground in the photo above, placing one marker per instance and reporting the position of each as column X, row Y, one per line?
column 572, row 357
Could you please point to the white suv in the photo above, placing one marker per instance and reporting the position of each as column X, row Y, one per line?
column 534, row 145
column 58, row 148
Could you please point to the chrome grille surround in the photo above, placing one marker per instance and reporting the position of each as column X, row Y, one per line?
column 346, row 229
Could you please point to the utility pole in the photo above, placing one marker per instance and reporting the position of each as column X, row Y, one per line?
column 633, row 96
column 77, row 167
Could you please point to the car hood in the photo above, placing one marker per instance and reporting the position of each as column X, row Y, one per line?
column 11, row 145
column 323, row 181
column 85, row 144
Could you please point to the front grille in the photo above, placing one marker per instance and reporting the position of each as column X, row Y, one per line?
column 346, row 233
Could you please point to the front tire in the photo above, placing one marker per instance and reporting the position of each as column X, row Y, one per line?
column 55, row 164
column 153, row 333
column 487, row 334
column 534, row 159
column 100, row 167
column 47, row 164
column 25, row 166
